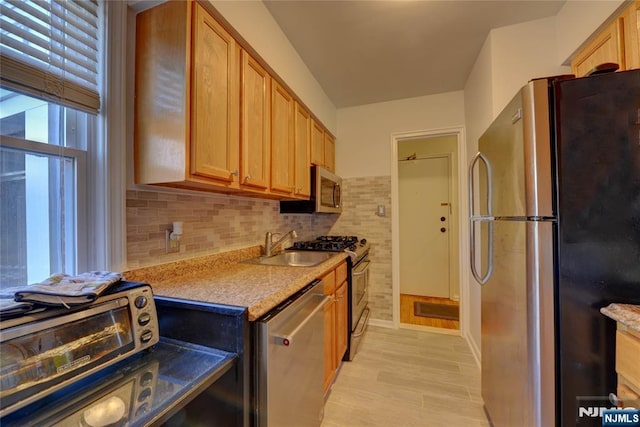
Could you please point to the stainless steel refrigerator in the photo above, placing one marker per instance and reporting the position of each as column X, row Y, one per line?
column 555, row 236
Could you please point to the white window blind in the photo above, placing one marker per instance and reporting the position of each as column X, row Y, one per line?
column 49, row 49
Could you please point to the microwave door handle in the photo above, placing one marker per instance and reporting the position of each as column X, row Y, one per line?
column 336, row 195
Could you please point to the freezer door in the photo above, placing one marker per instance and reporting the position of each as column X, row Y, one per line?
column 517, row 147
column 518, row 385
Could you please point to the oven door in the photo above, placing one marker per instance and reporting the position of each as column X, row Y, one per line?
column 360, row 289
column 359, row 310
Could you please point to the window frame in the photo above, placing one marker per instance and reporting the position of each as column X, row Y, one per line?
column 81, row 173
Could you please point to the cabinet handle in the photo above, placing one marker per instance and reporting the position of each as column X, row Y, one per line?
column 247, row 178
column 234, row 173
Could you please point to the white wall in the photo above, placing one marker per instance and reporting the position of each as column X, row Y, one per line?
column 478, row 95
column 520, row 53
column 256, row 25
column 578, row 20
column 510, row 57
column 363, row 147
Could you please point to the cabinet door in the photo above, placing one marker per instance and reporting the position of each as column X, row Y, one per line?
column 606, row 47
column 317, row 144
column 341, row 322
column 329, row 343
column 631, row 17
column 302, row 179
column 256, row 113
column 214, row 94
column 329, row 152
column 282, row 156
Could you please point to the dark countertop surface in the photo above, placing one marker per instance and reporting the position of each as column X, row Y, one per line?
column 144, row 389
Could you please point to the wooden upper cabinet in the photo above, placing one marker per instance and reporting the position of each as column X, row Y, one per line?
column 619, row 43
column 282, row 140
column 186, row 99
column 255, row 119
column 302, row 177
column 317, row 143
column 605, row 47
column 323, row 148
column 210, row 116
column 214, row 117
column 631, row 26
column 329, row 152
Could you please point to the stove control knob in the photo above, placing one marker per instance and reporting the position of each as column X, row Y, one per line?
column 146, row 379
column 146, row 336
column 352, row 247
column 144, row 319
column 140, row 301
column 363, row 241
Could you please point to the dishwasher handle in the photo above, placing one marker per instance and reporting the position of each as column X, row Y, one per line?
column 287, row 340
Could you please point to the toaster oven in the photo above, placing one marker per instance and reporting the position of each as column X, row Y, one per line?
column 46, row 351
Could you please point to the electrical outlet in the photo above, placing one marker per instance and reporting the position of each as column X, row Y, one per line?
column 171, row 245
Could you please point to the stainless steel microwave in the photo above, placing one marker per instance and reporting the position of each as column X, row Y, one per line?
column 326, row 194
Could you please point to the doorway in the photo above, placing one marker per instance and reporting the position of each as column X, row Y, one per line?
column 428, row 231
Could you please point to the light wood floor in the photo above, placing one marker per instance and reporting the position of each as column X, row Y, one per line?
column 406, row 378
column 407, row 316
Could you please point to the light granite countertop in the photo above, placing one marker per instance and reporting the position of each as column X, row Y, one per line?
column 627, row 314
column 224, row 279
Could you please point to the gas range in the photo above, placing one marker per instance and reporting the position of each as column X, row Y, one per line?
column 357, row 248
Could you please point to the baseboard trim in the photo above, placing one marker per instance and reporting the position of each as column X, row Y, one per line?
column 381, row 323
column 474, row 349
column 443, row 331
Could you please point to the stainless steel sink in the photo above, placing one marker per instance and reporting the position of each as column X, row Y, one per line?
column 292, row 259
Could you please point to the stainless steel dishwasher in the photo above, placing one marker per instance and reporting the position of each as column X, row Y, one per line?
column 290, row 360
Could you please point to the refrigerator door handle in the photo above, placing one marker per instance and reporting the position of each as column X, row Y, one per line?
column 480, row 218
column 472, row 243
column 472, row 184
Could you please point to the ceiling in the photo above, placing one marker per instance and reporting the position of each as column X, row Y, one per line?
column 363, row 52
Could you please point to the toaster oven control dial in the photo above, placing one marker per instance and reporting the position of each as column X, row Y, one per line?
column 144, row 319
column 140, row 301
column 146, row 336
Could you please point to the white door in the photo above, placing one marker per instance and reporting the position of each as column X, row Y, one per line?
column 423, row 186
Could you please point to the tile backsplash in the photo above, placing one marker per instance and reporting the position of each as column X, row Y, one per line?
column 212, row 223
column 362, row 196
column 217, row 223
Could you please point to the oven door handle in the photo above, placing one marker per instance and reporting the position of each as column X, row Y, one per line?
column 364, row 270
column 359, row 333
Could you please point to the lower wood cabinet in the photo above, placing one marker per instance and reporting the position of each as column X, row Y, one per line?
column 627, row 366
column 335, row 321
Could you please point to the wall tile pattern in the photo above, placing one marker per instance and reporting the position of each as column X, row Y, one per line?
column 218, row 223
column 212, row 224
column 362, row 195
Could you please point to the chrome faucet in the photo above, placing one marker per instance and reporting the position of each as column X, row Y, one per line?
column 269, row 246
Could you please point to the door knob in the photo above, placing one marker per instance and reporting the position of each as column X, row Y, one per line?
column 443, row 229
